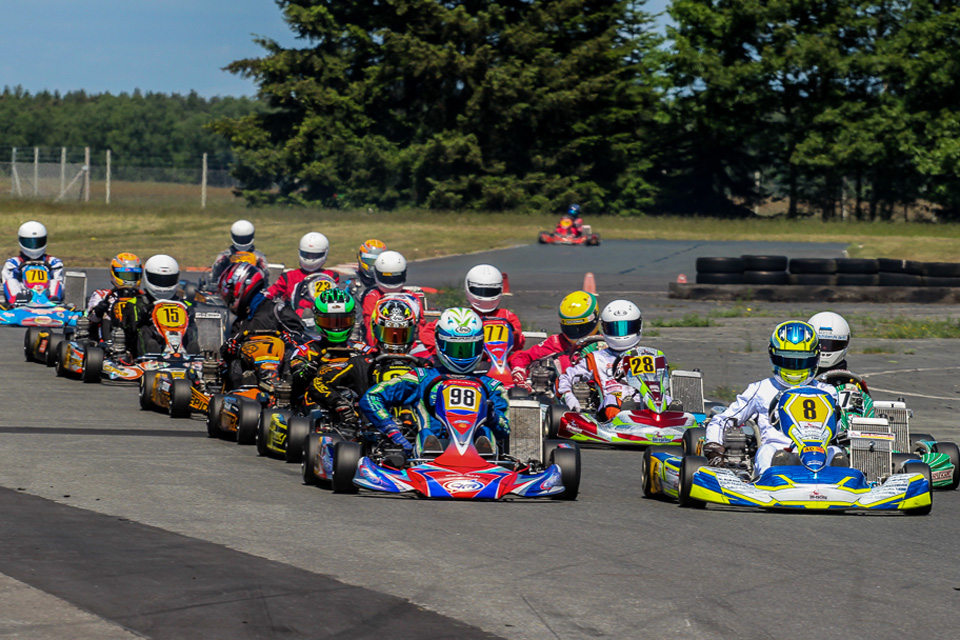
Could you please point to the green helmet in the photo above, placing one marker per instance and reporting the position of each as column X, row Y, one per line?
column 333, row 311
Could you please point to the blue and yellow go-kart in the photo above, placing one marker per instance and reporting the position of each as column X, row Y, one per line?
column 808, row 416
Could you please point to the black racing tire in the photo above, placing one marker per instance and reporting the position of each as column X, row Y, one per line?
column 646, row 480
column 147, row 383
column 899, row 280
column 691, row 438
column 298, row 428
column 61, row 359
column 554, row 416
column 248, row 419
column 899, row 459
column 917, row 437
column 858, row 280
column 548, row 448
column 953, row 452
column 311, row 451
column 214, row 406
column 858, row 265
column 346, row 460
column 53, row 342
column 920, row 467
column 719, row 265
column 719, row 278
column 891, row 265
column 263, row 428
column 934, row 281
column 764, row 263
column 816, row 279
column 569, row 462
column 826, row 266
column 594, row 240
column 540, row 239
column 181, row 392
column 915, row 267
column 30, row 338
column 93, row 358
column 689, row 466
column 942, row 269
column 766, row 277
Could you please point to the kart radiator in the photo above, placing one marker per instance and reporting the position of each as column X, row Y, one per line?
column 526, row 430
column 75, row 289
column 897, row 414
column 210, row 329
column 686, row 387
column 871, row 447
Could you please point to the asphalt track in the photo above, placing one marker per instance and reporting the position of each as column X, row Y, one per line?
column 118, row 523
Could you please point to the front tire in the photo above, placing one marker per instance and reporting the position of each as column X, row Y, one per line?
column 346, row 460
column 298, row 428
column 213, row 415
column 646, row 469
column 92, row 364
column 689, row 466
column 53, row 343
column 263, row 432
column 61, row 360
column 148, row 381
column 914, row 466
column 310, row 453
column 248, row 419
column 30, row 339
column 181, row 392
column 953, row 452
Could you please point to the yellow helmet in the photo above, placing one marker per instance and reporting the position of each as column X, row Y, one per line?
column 579, row 315
column 794, row 352
column 126, row 271
column 367, row 255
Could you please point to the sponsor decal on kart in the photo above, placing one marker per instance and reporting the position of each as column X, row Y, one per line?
column 937, row 476
column 893, row 487
column 729, row 481
column 462, row 485
column 370, row 476
column 816, row 495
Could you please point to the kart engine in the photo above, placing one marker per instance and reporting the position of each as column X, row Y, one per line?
column 740, row 450
column 542, row 376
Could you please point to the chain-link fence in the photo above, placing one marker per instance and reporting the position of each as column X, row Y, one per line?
column 80, row 175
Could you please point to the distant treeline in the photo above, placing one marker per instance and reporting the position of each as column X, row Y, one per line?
column 140, row 129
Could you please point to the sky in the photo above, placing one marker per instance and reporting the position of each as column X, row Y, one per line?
column 165, row 46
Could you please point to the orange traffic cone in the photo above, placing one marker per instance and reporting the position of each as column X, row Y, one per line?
column 589, row 283
column 506, row 284
column 682, row 279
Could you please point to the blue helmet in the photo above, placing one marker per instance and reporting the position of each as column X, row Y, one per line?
column 574, row 210
column 459, row 339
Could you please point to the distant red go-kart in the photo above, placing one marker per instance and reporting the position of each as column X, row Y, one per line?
column 587, row 237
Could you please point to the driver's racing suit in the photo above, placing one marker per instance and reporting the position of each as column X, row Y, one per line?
column 575, row 229
column 597, row 367
column 222, row 261
column 12, row 275
column 423, row 384
column 754, row 403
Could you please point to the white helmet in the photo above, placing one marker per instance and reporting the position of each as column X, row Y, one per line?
column 484, row 286
column 161, row 275
column 390, row 271
column 33, row 239
column 834, row 334
column 621, row 324
column 313, row 251
column 241, row 234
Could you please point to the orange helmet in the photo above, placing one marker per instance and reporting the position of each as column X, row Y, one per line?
column 367, row 256
column 126, row 271
column 243, row 256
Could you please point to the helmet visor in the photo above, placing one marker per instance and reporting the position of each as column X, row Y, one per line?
column 580, row 330
column 485, row 292
column 794, row 360
column 242, row 241
column 309, row 255
column 622, row 328
column 461, row 350
column 830, row 346
column 394, row 335
column 163, row 279
column 34, row 243
column 334, row 321
column 128, row 276
column 392, row 279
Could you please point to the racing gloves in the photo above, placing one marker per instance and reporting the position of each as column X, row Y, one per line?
column 230, row 349
column 393, row 432
column 571, row 401
column 519, row 375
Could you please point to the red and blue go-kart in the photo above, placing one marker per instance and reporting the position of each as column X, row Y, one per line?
column 587, row 237
column 38, row 310
column 804, row 478
column 459, row 471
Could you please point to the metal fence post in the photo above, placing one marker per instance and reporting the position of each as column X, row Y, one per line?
column 36, row 171
column 203, row 184
column 86, row 174
column 63, row 171
column 108, row 176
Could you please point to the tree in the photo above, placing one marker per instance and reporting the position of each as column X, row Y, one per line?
column 455, row 104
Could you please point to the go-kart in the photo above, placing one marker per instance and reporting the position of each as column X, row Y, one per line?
column 657, row 419
column 809, row 481
column 856, row 404
column 317, row 464
column 498, row 341
column 587, row 237
column 460, row 471
column 39, row 311
column 237, row 412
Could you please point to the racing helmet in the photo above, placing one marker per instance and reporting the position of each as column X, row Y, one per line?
column 794, row 352
column 33, row 239
column 239, row 283
column 579, row 315
column 484, row 286
column 390, row 271
column 459, row 337
column 366, row 257
column 621, row 324
column 313, row 251
column 334, row 311
column 241, row 235
column 126, row 271
column 394, row 322
column 574, row 211
column 311, row 287
column 161, row 277
column 834, row 335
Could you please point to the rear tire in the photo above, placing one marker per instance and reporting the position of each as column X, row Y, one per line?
column 953, row 451
column 263, row 431
column 147, row 382
column 691, row 438
column 248, row 419
column 298, row 428
column 916, row 438
column 61, row 359
column 346, row 460
column 92, row 364
column 646, row 480
column 53, row 343
column 181, row 392
column 554, row 415
column 30, row 339
column 913, row 466
column 213, row 415
column 569, row 462
column 311, row 451
column 689, row 466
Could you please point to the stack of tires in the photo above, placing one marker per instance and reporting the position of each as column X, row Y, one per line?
column 743, row 270
column 842, row 272
column 941, row 274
